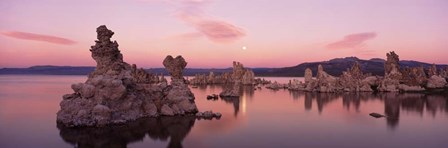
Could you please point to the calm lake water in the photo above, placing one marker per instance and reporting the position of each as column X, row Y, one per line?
column 260, row 118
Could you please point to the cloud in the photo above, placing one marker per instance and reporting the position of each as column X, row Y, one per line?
column 352, row 41
column 38, row 37
column 215, row 30
column 187, row 36
column 192, row 12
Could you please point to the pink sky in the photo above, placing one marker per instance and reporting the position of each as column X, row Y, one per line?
column 211, row 33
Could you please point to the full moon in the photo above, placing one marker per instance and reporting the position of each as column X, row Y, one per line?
column 244, row 47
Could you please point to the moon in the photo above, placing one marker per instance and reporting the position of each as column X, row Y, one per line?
column 244, row 47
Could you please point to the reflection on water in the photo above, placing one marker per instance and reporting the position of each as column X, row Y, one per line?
column 259, row 118
column 235, row 101
column 174, row 129
column 393, row 102
column 247, row 92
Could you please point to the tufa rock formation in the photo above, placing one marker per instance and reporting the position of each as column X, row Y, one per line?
column 432, row 70
column 392, row 74
column 353, row 80
column 239, row 74
column 308, row 75
column 117, row 92
column 392, row 67
column 238, row 77
column 178, row 97
column 436, row 82
column 175, row 66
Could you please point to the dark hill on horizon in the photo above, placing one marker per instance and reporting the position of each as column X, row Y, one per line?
column 334, row 67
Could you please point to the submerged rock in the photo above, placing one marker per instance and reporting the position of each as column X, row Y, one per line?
column 208, row 115
column 117, row 92
column 213, row 96
column 376, row 115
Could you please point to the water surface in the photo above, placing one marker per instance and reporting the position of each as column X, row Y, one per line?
column 259, row 118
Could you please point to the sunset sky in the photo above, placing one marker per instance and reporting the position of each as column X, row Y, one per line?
column 213, row 33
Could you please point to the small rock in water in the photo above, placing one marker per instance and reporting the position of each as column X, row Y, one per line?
column 213, row 96
column 376, row 115
column 208, row 115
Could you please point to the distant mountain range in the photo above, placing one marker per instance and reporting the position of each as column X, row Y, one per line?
column 334, row 67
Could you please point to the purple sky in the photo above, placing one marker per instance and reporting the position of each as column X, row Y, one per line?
column 211, row 33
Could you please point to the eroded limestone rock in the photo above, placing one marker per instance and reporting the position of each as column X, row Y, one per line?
column 414, row 76
column 436, row 81
column 392, row 74
column 175, row 66
column 308, row 75
column 239, row 74
column 432, row 70
column 392, row 66
column 117, row 92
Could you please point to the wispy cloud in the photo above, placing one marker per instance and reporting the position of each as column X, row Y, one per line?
column 38, row 37
column 187, row 36
column 192, row 12
column 352, row 41
column 215, row 30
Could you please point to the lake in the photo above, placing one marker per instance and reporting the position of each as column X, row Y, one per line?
column 259, row 118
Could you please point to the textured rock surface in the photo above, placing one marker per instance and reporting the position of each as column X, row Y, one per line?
column 414, row 76
column 308, row 75
column 239, row 74
column 175, row 66
column 276, row 86
column 432, row 70
column 444, row 72
column 353, row 80
column 117, row 92
column 208, row 115
column 436, row 82
column 413, row 79
column 406, row 88
column 392, row 67
column 392, row 74
column 233, row 91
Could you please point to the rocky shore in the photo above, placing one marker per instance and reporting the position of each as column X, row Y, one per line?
column 396, row 79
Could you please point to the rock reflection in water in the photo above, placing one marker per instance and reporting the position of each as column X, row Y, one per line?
column 246, row 92
column 411, row 102
column 236, row 103
column 322, row 99
column 163, row 128
column 393, row 102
